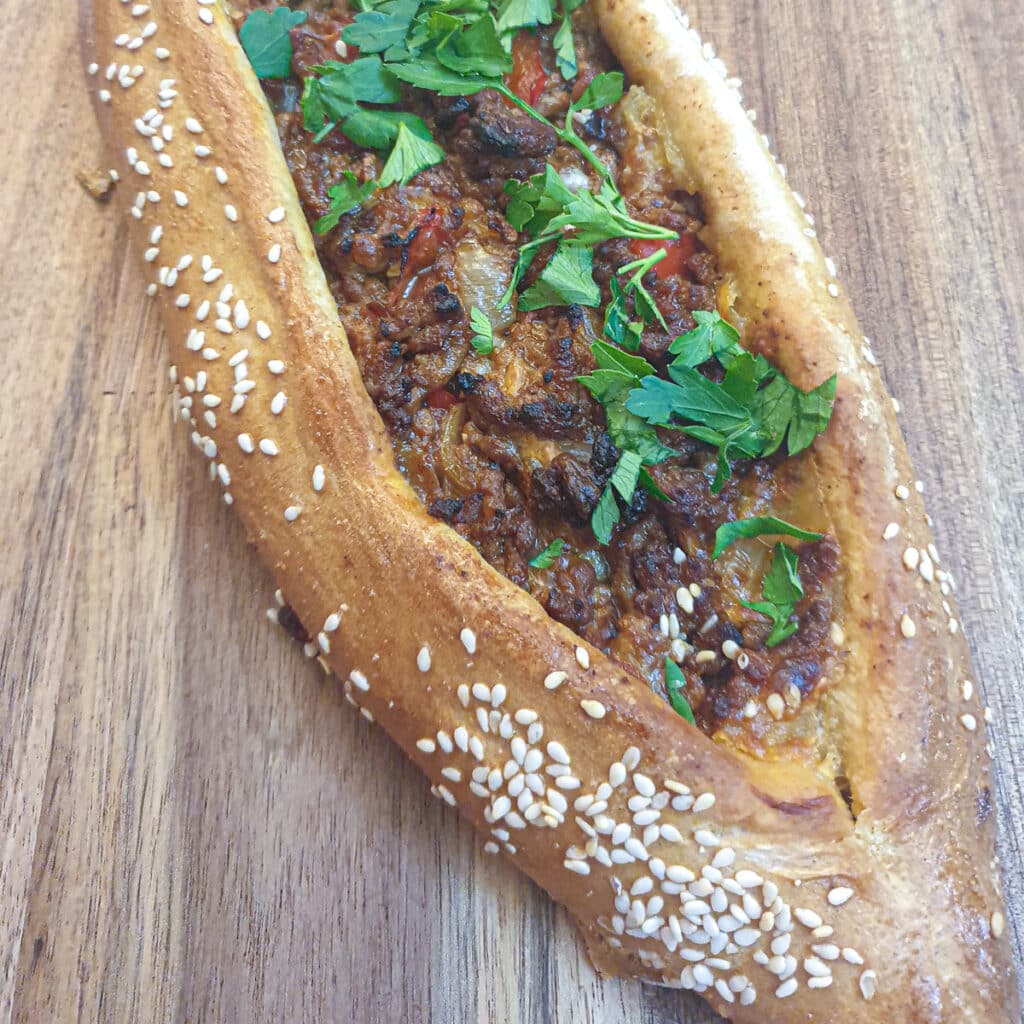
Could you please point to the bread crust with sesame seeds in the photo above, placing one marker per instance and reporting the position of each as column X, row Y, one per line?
column 759, row 887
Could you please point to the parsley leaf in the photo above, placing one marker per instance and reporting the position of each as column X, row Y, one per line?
column 626, row 474
column 429, row 73
column 751, row 413
column 483, row 332
column 516, row 14
column 603, row 90
column 605, row 516
column 411, row 154
column 617, row 325
column 712, row 337
column 265, row 39
column 567, row 279
column 347, row 195
column 386, row 25
column 475, row 51
column 565, row 49
column 548, row 555
column 757, row 526
column 378, row 129
column 781, row 590
column 598, row 218
column 674, row 683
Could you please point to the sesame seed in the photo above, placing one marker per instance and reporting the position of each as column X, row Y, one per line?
column 730, row 649
column 969, row 722
column 558, row 753
column 278, row 402
column 839, row 895
column 998, row 923
column 206, row 15
column 851, row 956
column 579, row 867
column 268, row 447
column 787, row 988
column 868, row 984
column 902, row 492
column 594, row 708
column 968, row 689
column 911, row 559
column 262, row 330
column 275, row 366
column 239, row 357
column 583, row 657
column 703, row 803
column 776, row 706
column 907, row 627
column 291, row 513
column 193, row 126
column 891, row 530
column 274, row 255
column 183, row 300
column 324, row 641
column 705, row 837
column 808, row 918
column 685, row 600
column 202, row 152
column 423, row 659
column 833, row 289
column 555, row 679
column 359, row 680
column 245, row 443
column 276, row 215
column 221, row 175
column 231, row 213
column 468, row 638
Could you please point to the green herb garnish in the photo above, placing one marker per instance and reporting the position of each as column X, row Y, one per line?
column 750, row 414
column 483, row 332
column 265, row 39
column 411, row 154
column 548, row 555
column 346, row 196
column 674, row 683
column 781, row 590
column 758, row 526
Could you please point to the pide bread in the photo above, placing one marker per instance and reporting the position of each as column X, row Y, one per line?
column 460, row 356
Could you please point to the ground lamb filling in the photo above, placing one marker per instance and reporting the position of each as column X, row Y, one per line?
column 508, row 448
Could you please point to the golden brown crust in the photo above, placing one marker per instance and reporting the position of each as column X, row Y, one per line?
column 452, row 659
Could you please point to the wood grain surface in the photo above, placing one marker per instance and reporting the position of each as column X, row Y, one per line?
column 194, row 826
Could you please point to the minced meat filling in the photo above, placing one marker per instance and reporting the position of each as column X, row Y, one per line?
column 508, row 448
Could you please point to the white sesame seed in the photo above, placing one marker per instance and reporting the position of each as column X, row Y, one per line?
column 553, row 680
column 808, row 918
column 324, row 641
column 183, row 300
column 998, row 923
column 968, row 689
column 839, row 895
column 776, row 706
column 468, row 638
column 262, row 330
column 274, row 255
column 787, row 988
column 583, row 657
column 833, row 289
column 193, row 126
column 969, row 722
column 239, row 357
column 902, row 492
column 907, row 627
column 594, row 708
column 291, row 513
column 579, row 867
column 868, row 984
column 318, row 478
column 275, row 366
column 221, row 175
column 891, row 530
column 245, row 443
column 268, row 446
column 705, row 837
column 202, row 152
column 359, row 680
column 231, row 213
column 206, row 15
column 276, row 215
column 911, row 559
column 703, row 803
column 423, row 659
column 278, row 402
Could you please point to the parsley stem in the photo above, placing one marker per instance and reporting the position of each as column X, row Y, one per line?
column 645, row 262
column 565, row 134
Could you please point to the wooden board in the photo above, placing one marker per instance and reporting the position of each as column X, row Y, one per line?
column 194, row 826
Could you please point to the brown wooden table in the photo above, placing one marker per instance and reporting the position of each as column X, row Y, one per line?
column 194, row 826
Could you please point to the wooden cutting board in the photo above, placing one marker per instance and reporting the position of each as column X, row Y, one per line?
column 194, row 826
